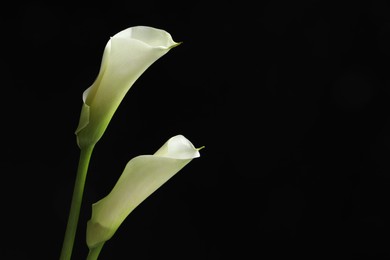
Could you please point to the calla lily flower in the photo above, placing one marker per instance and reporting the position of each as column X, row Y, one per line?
column 141, row 177
column 126, row 56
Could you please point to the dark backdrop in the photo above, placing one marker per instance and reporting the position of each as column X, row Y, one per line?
column 290, row 98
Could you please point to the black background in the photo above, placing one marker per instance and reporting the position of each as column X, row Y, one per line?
column 290, row 98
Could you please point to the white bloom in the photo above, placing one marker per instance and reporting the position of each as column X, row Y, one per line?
column 141, row 177
column 126, row 56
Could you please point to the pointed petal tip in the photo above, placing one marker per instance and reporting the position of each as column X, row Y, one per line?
column 200, row 148
column 175, row 45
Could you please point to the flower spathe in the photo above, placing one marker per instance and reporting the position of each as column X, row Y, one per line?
column 141, row 177
column 126, row 56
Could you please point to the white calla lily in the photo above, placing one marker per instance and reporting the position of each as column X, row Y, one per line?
column 141, row 177
column 126, row 56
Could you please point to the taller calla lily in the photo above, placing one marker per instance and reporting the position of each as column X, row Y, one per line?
column 126, row 56
column 142, row 176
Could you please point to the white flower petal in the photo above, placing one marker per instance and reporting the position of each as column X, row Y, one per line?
column 126, row 57
column 141, row 177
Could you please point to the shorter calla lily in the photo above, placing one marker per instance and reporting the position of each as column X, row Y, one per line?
column 141, row 177
column 126, row 56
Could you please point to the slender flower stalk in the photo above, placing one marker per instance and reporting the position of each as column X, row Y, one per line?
column 94, row 252
column 70, row 233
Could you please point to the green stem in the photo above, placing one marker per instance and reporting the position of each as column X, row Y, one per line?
column 70, row 233
column 94, row 252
